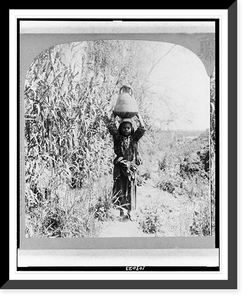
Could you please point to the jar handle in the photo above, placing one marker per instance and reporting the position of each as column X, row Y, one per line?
column 127, row 88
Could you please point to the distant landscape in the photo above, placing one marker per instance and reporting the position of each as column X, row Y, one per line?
column 180, row 134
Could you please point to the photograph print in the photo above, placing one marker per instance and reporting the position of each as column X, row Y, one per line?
column 120, row 137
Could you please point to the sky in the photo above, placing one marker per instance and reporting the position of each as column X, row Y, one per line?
column 181, row 86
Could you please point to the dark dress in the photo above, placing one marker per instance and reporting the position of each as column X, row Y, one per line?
column 125, row 169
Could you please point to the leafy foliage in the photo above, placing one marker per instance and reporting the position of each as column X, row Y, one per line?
column 213, row 153
column 184, row 171
column 149, row 220
column 68, row 90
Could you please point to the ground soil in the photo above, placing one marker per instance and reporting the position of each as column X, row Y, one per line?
column 173, row 214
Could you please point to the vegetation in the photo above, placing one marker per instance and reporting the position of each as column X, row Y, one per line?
column 68, row 90
column 69, row 153
column 183, row 172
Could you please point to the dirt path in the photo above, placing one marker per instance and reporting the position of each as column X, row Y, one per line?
column 149, row 197
column 166, row 206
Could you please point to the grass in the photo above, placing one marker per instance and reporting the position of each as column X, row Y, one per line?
column 182, row 175
column 56, row 209
column 71, row 213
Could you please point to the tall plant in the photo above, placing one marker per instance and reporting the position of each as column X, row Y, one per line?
column 212, row 149
column 68, row 89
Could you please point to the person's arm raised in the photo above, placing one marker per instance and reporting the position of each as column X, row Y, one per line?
column 142, row 124
column 140, row 131
column 110, row 123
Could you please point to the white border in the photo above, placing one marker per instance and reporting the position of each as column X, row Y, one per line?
column 100, row 27
column 222, row 14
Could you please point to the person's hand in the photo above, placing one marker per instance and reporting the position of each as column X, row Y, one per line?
column 112, row 114
column 140, row 119
column 138, row 160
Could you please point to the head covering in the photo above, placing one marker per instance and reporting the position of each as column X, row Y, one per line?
column 126, row 120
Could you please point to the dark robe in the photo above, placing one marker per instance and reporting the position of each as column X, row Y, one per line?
column 125, row 169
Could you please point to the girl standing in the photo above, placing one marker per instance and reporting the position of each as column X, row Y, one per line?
column 126, row 161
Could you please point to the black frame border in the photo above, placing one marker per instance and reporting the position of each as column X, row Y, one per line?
column 231, row 283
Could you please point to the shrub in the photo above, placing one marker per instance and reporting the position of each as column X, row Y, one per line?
column 184, row 171
column 72, row 214
column 149, row 220
column 184, row 168
column 105, row 208
column 201, row 222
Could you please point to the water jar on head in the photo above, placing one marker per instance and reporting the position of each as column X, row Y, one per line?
column 126, row 106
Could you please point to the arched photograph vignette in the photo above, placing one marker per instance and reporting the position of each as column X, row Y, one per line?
column 70, row 91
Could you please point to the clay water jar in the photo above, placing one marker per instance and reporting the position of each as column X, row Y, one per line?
column 126, row 106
